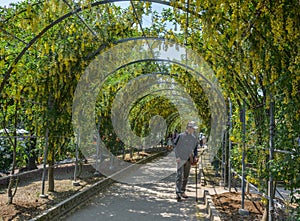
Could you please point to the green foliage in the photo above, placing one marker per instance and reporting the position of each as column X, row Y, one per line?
column 5, row 156
column 253, row 47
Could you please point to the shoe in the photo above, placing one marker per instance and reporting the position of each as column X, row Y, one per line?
column 178, row 197
column 184, row 195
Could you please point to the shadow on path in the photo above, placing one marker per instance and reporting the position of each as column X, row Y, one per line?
column 141, row 202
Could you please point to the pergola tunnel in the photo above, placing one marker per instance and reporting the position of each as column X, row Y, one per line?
column 97, row 80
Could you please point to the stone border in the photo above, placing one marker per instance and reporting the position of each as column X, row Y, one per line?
column 210, row 207
column 4, row 181
column 80, row 198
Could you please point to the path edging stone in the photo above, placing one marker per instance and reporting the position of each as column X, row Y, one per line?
column 78, row 199
column 210, row 207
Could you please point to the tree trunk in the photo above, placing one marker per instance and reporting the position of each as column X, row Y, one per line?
column 31, row 165
column 9, row 190
column 51, row 173
column 10, row 194
column 123, row 151
column 247, row 188
column 131, row 153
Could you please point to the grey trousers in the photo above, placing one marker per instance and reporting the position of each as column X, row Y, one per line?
column 182, row 176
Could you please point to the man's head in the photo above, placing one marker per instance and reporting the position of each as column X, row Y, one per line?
column 191, row 127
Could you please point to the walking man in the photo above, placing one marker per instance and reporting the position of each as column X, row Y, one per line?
column 186, row 154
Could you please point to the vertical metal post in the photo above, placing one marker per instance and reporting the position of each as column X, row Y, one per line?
column 75, row 183
column 243, row 119
column 196, row 179
column 97, row 148
column 271, row 156
column 223, row 157
column 43, row 195
column 230, row 145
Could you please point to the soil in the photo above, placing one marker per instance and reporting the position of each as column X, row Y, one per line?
column 228, row 205
column 27, row 202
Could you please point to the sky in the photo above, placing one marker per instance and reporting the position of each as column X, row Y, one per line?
column 146, row 19
column 6, row 2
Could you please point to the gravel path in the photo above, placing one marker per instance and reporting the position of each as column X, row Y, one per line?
column 141, row 202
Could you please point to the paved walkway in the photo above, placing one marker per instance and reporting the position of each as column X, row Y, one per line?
column 143, row 202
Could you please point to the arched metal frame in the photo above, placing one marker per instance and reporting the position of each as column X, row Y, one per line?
column 156, row 73
column 74, row 12
column 189, row 69
column 206, row 80
column 155, row 104
column 9, row 71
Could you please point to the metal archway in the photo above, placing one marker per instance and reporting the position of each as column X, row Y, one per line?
column 74, row 12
